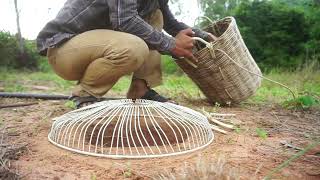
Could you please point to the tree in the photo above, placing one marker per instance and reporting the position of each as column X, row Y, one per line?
column 217, row 9
column 21, row 43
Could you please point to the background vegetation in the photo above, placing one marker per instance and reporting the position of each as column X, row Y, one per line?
column 279, row 33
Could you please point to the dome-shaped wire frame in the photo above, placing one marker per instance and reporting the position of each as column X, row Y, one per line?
column 131, row 129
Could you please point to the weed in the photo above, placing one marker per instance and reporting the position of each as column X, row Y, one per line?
column 70, row 104
column 93, row 177
column 13, row 87
column 238, row 129
column 262, row 133
column 128, row 172
column 302, row 102
column 231, row 141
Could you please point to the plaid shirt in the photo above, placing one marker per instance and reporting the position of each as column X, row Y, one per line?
column 78, row 16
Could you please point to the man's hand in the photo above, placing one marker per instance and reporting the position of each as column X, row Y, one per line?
column 184, row 44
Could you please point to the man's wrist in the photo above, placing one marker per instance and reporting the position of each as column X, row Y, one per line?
column 169, row 46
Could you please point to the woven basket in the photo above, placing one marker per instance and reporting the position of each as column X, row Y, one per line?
column 224, row 72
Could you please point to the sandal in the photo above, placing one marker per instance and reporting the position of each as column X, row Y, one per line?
column 84, row 101
column 154, row 96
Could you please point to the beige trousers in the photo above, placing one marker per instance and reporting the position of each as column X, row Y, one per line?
column 98, row 58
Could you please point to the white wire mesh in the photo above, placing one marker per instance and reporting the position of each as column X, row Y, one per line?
column 131, row 129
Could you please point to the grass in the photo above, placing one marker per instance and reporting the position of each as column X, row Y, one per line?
column 262, row 133
column 203, row 169
column 305, row 81
column 291, row 159
column 302, row 82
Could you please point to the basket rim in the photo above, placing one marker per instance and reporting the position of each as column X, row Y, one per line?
column 233, row 21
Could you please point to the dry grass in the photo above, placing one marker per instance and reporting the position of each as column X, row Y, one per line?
column 203, row 170
column 9, row 152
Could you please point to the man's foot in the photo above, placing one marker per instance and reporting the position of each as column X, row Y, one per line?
column 84, row 100
column 140, row 90
column 154, row 96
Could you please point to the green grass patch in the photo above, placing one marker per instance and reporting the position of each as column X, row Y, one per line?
column 262, row 133
column 305, row 83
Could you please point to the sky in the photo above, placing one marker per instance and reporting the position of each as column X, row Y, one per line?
column 34, row 14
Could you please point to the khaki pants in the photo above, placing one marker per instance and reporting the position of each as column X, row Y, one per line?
column 98, row 58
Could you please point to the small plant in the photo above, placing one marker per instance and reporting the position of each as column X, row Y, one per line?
column 262, row 133
column 128, row 172
column 302, row 102
column 10, row 87
column 93, row 177
column 238, row 129
column 70, row 104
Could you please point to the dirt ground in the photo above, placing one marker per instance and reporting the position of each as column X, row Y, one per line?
column 243, row 151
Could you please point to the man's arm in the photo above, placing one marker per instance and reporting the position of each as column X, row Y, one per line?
column 124, row 17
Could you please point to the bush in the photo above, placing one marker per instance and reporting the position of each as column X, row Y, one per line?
column 10, row 56
column 8, row 50
column 274, row 33
column 279, row 33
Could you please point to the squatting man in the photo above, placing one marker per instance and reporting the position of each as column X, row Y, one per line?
column 96, row 42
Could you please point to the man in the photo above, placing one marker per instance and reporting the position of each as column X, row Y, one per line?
column 95, row 42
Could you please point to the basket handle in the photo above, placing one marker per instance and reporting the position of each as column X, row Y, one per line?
column 208, row 45
column 187, row 60
column 203, row 17
column 208, row 19
column 212, row 52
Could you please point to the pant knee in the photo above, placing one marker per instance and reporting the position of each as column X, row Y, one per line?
column 132, row 54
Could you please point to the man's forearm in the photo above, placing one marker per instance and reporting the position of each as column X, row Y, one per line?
column 154, row 38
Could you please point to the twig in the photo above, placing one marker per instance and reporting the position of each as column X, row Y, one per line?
column 288, row 145
column 258, row 168
column 221, row 123
column 17, row 105
column 222, row 115
column 215, row 128
column 216, row 121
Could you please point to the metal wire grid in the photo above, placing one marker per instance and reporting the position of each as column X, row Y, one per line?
column 131, row 129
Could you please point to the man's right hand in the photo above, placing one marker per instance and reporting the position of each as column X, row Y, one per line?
column 184, row 44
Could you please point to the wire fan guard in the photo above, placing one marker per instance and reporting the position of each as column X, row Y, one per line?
column 131, row 129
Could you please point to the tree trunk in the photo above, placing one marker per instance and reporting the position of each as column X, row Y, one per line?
column 21, row 43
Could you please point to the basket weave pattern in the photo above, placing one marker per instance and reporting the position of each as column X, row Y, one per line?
column 219, row 78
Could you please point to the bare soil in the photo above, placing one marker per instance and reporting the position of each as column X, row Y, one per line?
column 251, row 156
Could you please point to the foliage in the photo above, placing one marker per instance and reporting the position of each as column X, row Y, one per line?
column 302, row 102
column 8, row 50
column 10, row 55
column 304, row 81
column 279, row 33
column 70, row 104
column 169, row 66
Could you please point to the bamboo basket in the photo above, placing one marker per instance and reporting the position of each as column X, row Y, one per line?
column 225, row 71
